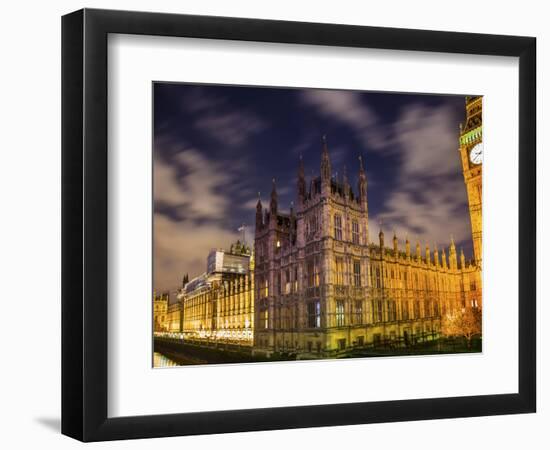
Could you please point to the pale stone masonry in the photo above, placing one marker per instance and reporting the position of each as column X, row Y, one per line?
column 218, row 306
column 323, row 288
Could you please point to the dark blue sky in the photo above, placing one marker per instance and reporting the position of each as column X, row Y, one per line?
column 215, row 147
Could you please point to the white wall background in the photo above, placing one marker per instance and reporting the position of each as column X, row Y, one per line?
column 30, row 225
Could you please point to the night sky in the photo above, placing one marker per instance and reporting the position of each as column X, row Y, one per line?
column 216, row 147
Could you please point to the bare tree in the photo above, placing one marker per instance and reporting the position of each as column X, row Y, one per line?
column 465, row 323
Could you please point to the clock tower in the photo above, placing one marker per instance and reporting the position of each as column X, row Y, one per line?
column 471, row 155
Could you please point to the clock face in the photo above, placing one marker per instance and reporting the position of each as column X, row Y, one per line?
column 476, row 153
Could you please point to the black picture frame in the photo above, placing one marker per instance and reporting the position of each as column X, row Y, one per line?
column 84, row 224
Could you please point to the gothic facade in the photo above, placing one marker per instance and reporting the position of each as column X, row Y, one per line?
column 323, row 288
column 218, row 306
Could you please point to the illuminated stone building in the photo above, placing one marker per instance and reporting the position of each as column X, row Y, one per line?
column 174, row 317
column 160, row 309
column 218, row 306
column 322, row 287
column 316, row 285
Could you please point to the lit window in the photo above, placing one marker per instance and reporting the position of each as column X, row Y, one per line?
column 405, row 310
column 340, row 317
column 287, row 281
column 378, row 310
column 316, row 278
column 264, row 318
column 357, row 273
column 338, row 227
column 391, row 311
column 314, row 314
column 378, row 281
column 358, row 311
column 339, row 271
column 355, row 232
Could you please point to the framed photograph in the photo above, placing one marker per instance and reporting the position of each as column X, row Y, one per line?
column 273, row 224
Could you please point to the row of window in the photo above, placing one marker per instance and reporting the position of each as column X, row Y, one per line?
column 286, row 281
column 313, row 317
column 340, row 278
column 338, row 235
column 382, row 311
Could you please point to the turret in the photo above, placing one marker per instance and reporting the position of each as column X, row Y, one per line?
column 428, row 255
column 452, row 255
column 418, row 254
column 381, row 239
column 462, row 259
column 325, row 164
column 274, row 201
column 362, row 184
column 436, row 256
column 444, row 259
column 259, row 213
column 311, row 184
column 407, row 248
column 395, row 245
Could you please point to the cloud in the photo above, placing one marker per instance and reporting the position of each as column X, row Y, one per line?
column 429, row 198
column 346, row 107
column 193, row 184
column 216, row 118
column 430, row 213
column 337, row 158
column 192, row 200
column 428, row 139
column 181, row 247
column 232, row 128
column 197, row 100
